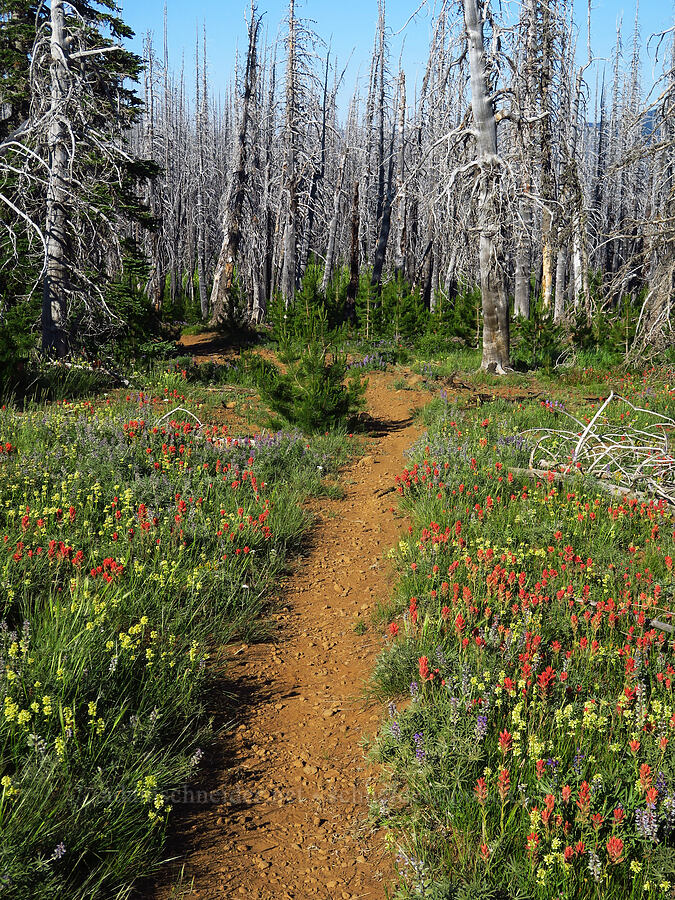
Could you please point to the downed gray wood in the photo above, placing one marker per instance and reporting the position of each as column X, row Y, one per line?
column 616, row 490
column 630, row 455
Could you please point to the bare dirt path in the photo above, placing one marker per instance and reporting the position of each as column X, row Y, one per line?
column 282, row 813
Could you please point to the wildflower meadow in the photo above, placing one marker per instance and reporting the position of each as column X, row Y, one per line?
column 134, row 542
column 530, row 662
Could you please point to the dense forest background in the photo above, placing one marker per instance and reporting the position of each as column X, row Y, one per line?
column 505, row 187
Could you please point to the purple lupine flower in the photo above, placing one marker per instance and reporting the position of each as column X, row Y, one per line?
column 647, row 824
column 660, row 784
column 594, row 865
column 196, row 757
column 578, row 759
column 418, row 738
column 454, row 706
column 669, row 810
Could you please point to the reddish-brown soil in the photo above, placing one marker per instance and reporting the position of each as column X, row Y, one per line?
column 283, row 806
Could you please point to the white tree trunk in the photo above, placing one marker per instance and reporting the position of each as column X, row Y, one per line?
column 55, row 286
column 493, row 289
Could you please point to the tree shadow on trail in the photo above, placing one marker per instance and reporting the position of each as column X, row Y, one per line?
column 376, row 427
column 216, row 343
column 222, row 787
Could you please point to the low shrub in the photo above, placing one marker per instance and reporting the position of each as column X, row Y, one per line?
column 317, row 392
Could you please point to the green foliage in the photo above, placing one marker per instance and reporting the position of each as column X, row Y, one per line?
column 581, row 330
column 395, row 311
column 457, row 316
column 316, row 392
column 610, row 329
column 17, row 336
column 436, row 344
column 17, row 341
column 537, row 343
column 127, row 299
column 622, row 326
column 311, row 310
column 181, row 304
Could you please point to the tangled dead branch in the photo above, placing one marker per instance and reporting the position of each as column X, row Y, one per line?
column 635, row 459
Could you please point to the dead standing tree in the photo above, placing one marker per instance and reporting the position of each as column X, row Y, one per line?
column 72, row 164
column 655, row 327
column 56, row 280
column 489, row 213
column 222, row 295
column 291, row 175
column 526, row 88
column 201, row 112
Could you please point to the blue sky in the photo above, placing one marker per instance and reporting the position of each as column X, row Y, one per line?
column 350, row 26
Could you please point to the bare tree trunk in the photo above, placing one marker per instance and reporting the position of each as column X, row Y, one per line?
column 560, row 271
column 424, row 275
column 521, row 305
column 353, row 287
column 493, row 290
column 55, row 285
column 258, row 307
column 450, row 283
column 380, row 67
column 223, row 282
column 399, row 249
column 385, row 224
column 332, row 228
column 155, row 284
column 546, row 150
column 317, row 177
column 579, row 281
column 523, row 266
column 382, row 241
column 201, row 219
column 288, row 274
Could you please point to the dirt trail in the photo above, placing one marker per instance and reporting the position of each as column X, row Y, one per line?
column 284, row 802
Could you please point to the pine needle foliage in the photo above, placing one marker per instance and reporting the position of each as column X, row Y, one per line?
column 317, row 391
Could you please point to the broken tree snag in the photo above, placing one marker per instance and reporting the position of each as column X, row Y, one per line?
column 493, row 289
column 547, row 189
column 333, row 227
column 223, row 281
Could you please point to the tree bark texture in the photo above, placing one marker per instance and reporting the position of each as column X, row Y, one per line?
column 493, row 290
column 55, row 285
column 223, row 281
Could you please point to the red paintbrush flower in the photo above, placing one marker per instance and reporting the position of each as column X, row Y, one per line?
column 503, row 784
column 615, row 850
column 584, row 801
column 505, row 741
